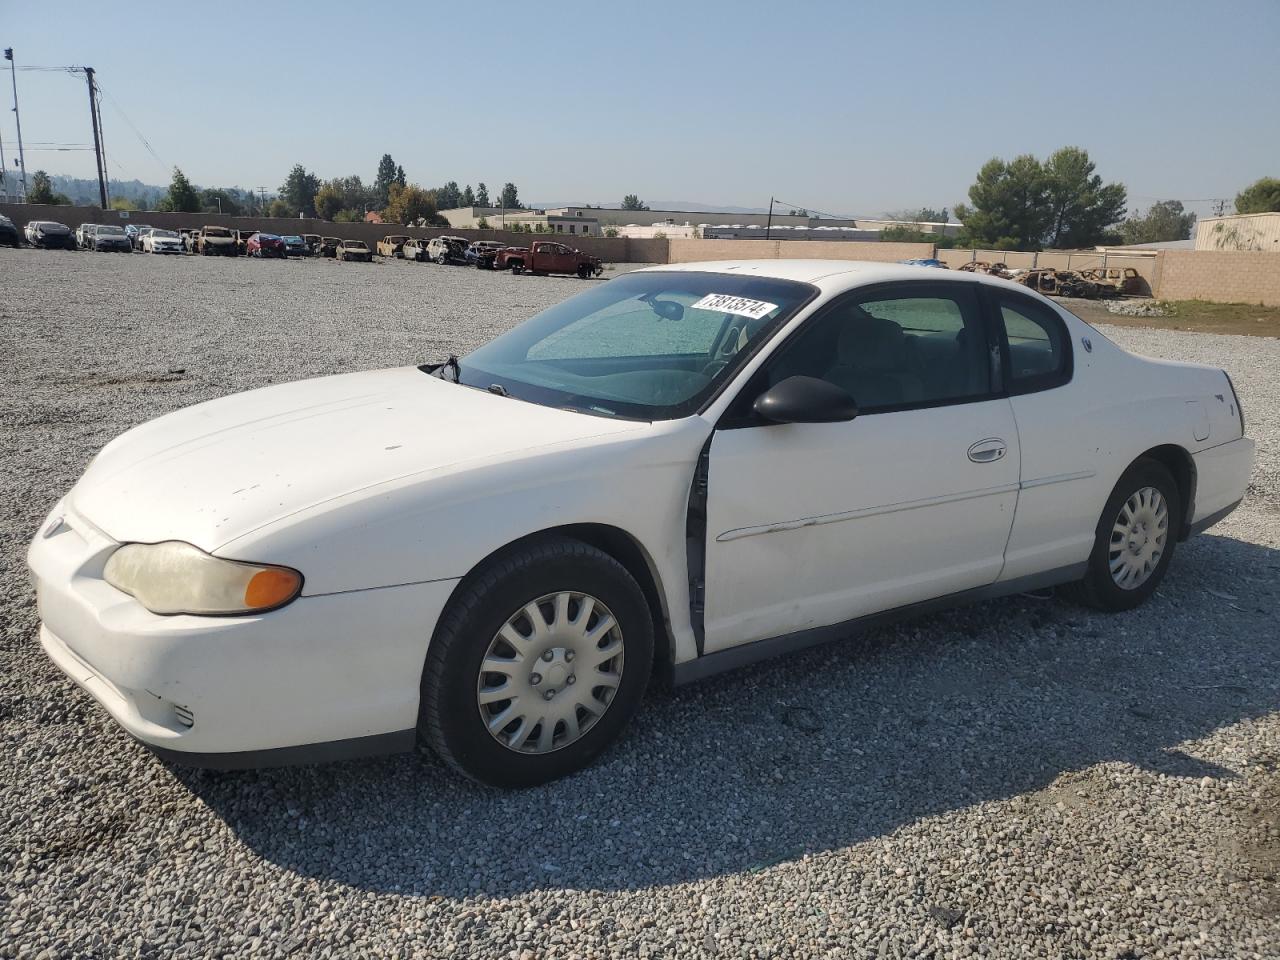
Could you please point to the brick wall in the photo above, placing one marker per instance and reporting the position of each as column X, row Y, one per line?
column 691, row 251
column 611, row 249
column 1235, row 276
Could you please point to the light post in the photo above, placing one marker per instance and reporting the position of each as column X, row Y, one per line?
column 17, row 119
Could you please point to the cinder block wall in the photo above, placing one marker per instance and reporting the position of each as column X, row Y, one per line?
column 691, row 251
column 1224, row 276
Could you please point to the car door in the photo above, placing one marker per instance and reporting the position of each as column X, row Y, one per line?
column 1062, row 489
column 813, row 524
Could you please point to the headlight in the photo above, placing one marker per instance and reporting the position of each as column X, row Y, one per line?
column 175, row 577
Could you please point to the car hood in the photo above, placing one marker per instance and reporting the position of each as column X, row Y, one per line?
column 216, row 471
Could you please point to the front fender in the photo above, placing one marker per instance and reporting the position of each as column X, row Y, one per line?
column 440, row 525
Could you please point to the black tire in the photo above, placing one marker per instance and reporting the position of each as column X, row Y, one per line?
column 517, row 268
column 583, row 271
column 1098, row 589
column 449, row 719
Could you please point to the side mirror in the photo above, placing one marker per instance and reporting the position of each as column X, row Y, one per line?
column 805, row 400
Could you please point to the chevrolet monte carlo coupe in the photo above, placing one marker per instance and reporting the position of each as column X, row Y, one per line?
column 689, row 467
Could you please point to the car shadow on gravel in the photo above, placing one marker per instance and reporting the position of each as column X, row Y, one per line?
column 807, row 754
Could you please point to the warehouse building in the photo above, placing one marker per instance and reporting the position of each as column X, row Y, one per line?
column 1242, row 231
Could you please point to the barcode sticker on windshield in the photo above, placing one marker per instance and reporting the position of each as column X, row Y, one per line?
column 741, row 306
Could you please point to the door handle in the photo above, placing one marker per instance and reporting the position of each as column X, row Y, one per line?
column 988, row 451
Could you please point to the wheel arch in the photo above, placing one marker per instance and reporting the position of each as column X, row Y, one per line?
column 1178, row 461
column 623, row 547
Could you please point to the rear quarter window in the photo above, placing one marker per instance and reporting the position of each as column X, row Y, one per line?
column 1037, row 346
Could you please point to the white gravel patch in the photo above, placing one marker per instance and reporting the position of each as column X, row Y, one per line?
column 1020, row 778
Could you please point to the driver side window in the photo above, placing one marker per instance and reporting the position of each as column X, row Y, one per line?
column 896, row 347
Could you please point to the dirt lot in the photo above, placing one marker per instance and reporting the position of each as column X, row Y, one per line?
column 1022, row 778
column 1197, row 316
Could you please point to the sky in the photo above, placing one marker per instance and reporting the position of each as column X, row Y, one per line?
column 843, row 107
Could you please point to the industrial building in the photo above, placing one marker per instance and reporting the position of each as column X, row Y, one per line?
column 1241, row 231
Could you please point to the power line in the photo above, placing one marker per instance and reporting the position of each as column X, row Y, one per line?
column 136, row 132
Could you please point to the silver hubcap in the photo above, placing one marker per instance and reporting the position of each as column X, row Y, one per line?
column 550, row 673
column 1138, row 538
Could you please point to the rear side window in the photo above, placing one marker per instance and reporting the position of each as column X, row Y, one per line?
column 1038, row 352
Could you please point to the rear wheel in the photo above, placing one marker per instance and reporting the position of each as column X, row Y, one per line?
column 1134, row 540
column 538, row 663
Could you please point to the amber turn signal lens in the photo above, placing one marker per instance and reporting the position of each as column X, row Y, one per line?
column 271, row 588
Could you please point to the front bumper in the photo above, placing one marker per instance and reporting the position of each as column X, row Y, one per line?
column 328, row 676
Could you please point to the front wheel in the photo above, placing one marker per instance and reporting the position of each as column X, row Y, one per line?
column 1134, row 540
column 537, row 664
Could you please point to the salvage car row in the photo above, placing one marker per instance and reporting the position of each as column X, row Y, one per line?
column 539, row 257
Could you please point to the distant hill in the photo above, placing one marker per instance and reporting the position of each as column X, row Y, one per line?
column 83, row 191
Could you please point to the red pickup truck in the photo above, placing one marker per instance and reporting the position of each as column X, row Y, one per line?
column 547, row 256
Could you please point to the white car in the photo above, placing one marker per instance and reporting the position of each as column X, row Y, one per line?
column 696, row 466
column 156, row 240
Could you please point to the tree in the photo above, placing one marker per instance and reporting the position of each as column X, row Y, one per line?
column 1010, row 205
column 328, row 200
column 299, row 191
column 468, row 198
column 400, row 175
column 923, row 215
column 382, row 182
column 449, row 197
column 123, row 203
column 511, row 198
column 1263, row 196
column 281, row 209
column 409, row 203
column 482, row 223
column 1081, row 207
column 610, row 231
column 907, row 234
column 482, row 195
column 1164, row 221
column 41, row 190
column 182, row 196
column 220, row 201
column 632, row 202
column 346, row 195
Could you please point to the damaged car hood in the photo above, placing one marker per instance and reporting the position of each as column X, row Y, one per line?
column 217, row 470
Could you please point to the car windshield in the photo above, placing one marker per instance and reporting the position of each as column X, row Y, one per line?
column 114, row 231
column 163, row 233
column 217, row 232
column 646, row 346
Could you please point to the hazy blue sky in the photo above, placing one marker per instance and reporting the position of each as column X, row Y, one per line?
column 838, row 106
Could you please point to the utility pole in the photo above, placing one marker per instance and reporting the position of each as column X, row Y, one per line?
column 769, row 223
column 97, row 138
column 17, row 119
column 1219, row 206
column 4, row 173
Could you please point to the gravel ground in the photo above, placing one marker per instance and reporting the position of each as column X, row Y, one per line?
column 1021, row 778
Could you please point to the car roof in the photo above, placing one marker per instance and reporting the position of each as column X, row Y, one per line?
column 834, row 275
